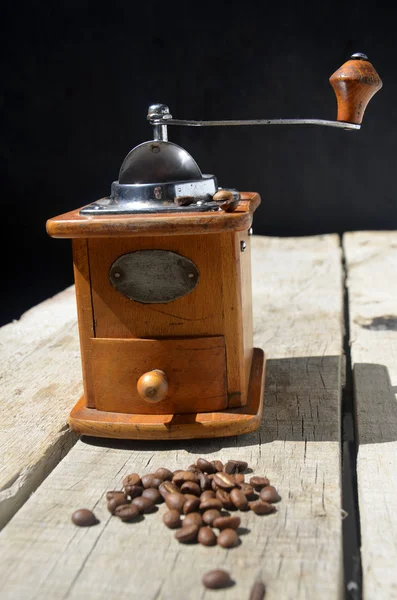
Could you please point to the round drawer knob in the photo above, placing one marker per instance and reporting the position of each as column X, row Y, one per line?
column 153, row 386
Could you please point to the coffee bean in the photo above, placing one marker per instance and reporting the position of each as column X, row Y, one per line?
column 153, row 494
column 115, row 494
column 228, row 538
column 172, row 519
column 239, row 477
column 190, row 487
column 226, row 523
column 193, row 469
column 205, row 466
column 116, row 501
column 163, row 474
column 193, row 518
column 191, row 505
column 224, row 481
column 235, row 466
column 84, row 517
column 259, row 482
column 144, row 505
column 150, row 481
column 269, row 494
column 211, row 503
column 210, row 515
column 218, row 465
column 217, row 579
column 207, row 495
column 127, row 512
column 204, row 482
column 175, row 501
column 214, row 485
column 258, row 591
column 132, row 479
column 239, row 499
column 248, row 491
column 259, row 507
column 206, row 536
column 133, row 491
column 183, row 476
column 187, row 534
column 224, row 497
column 168, row 487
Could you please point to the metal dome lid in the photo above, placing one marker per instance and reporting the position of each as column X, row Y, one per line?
column 158, row 176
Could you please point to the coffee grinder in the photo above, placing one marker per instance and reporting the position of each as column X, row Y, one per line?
column 163, row 286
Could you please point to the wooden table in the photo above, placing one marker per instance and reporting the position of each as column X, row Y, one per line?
column 325, row 312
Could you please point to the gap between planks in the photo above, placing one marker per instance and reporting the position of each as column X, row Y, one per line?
column 297, row 289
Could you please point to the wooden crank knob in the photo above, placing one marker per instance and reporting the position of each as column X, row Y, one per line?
column 153, row 386
column 354, row 84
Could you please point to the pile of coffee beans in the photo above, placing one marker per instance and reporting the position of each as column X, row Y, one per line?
column 199, row 500
column 201, row 503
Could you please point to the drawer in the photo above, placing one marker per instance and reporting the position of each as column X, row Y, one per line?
column 195, row 370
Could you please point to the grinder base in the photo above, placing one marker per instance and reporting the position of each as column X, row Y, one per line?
column 93, row 422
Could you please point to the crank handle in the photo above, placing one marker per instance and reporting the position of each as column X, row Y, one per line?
column 354, row 84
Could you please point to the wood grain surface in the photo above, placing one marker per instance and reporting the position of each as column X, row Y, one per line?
column 371, row 259
column 40, row 376
column 297, row 304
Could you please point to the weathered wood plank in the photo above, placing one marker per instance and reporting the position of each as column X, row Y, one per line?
column 372, row 283
column 40, row 375
column 297, row 552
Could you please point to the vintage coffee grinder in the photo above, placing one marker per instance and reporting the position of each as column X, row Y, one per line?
column 163, row 285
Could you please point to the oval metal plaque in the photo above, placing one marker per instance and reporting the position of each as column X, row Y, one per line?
column 154, row 276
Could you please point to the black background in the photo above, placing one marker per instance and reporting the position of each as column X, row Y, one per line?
column 78, row 77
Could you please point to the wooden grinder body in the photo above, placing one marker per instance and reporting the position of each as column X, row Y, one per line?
column 202, row 342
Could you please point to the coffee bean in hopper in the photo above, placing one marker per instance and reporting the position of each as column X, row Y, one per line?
column 84, row 517
column 217, row 579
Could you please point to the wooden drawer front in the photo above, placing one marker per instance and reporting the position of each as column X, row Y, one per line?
column 195, row 369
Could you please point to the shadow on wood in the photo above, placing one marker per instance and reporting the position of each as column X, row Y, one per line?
column 302, row 404
column 376, row 412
